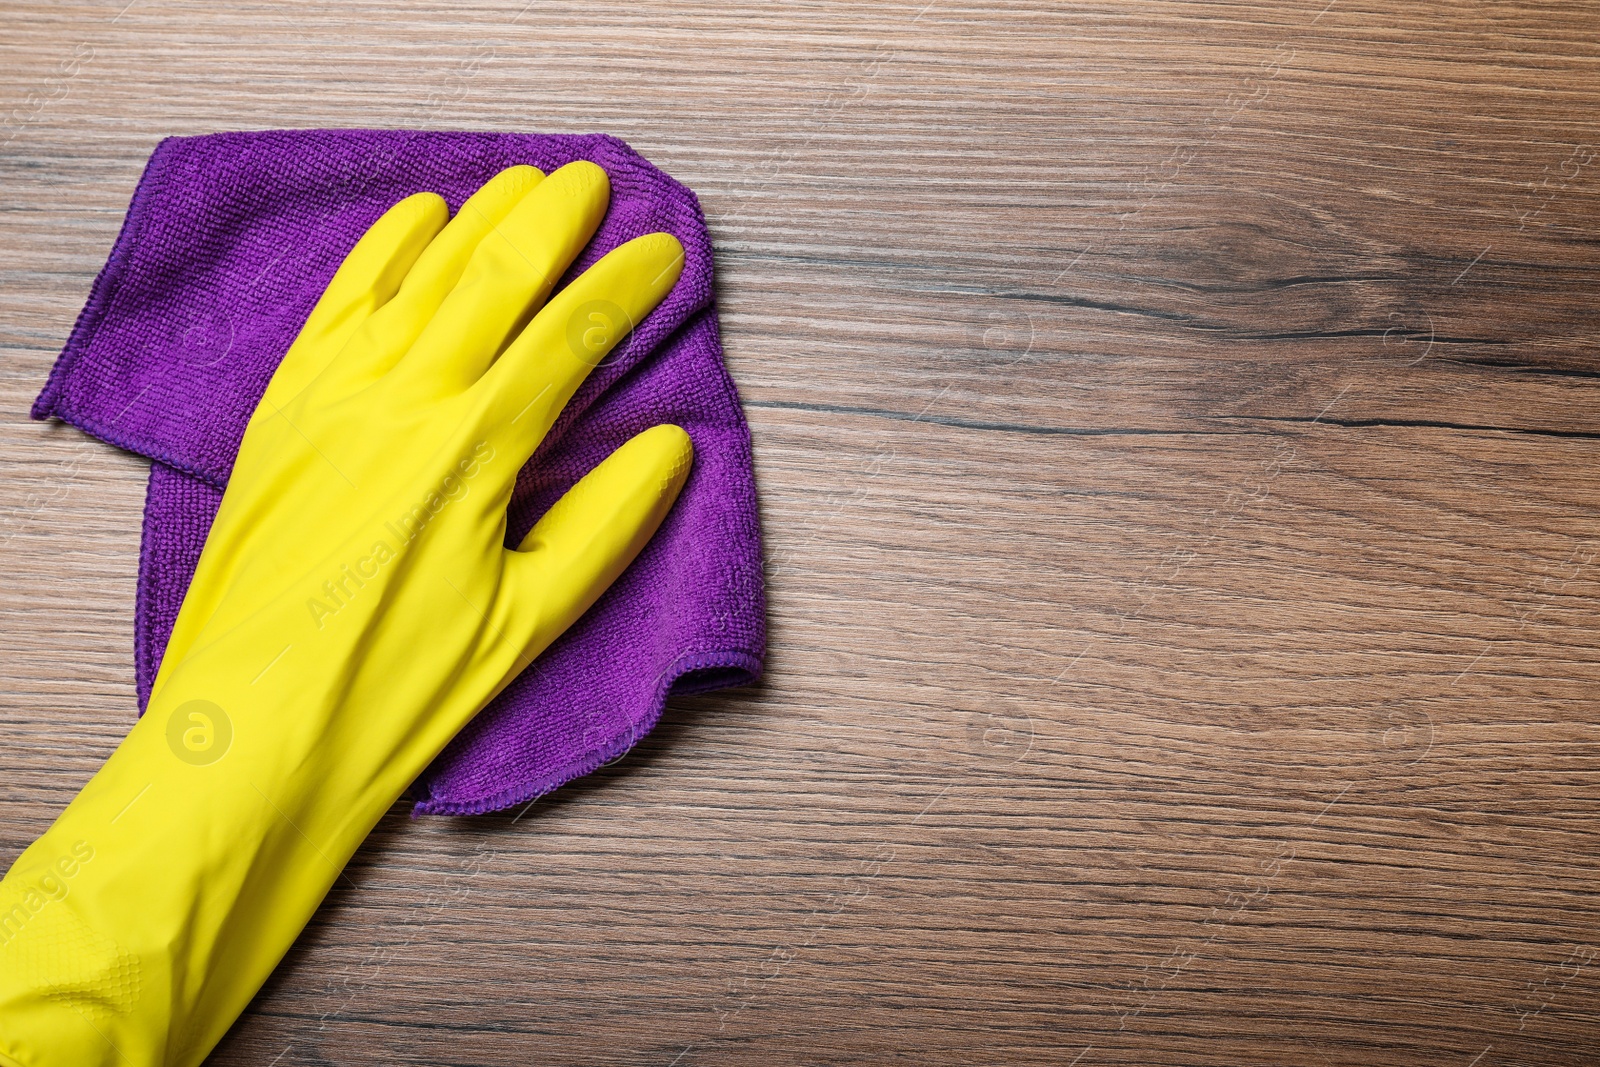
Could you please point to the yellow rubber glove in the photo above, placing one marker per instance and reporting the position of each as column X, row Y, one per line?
column 353, row 608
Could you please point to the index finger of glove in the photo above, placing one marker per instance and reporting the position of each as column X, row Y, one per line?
column 391, row 332
column 513, row 269
column 370, row 275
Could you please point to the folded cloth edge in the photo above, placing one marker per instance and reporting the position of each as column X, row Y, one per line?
column 47, row 403
column 746, row 666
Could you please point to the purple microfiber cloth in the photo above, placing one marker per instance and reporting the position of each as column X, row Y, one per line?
column 228, row 243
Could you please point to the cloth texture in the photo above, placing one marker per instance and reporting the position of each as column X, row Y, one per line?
column 184, row 327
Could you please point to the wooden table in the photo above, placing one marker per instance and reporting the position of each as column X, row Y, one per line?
column 1178, row 432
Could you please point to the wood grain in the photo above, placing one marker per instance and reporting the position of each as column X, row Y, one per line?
column 1177, row 427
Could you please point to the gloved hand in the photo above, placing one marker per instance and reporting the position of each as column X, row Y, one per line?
column 353, row 608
